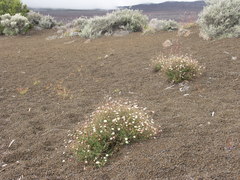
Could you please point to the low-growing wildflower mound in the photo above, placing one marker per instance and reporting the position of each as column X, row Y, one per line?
column 110, row 127
column 177, row 68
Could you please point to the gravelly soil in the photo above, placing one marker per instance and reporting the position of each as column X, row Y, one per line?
column 48, row 87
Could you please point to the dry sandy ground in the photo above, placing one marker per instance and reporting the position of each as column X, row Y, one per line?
column 48, row 87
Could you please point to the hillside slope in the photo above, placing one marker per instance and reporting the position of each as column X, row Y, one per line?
column 49, row 87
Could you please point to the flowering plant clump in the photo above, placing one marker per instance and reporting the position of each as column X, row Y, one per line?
column 13, row 25
column 110, row 127
column 178, row 68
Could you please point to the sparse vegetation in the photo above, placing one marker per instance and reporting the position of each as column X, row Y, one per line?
column 177, row 68
column 110, row 127
column 22, row 91
column 220, row 19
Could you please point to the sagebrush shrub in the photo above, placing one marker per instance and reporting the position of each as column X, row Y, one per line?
column 163, row 25
column 220, row 19
column 96, row 27
column 47, row 22
column 39, row 20
column 111, row 126
column 129, row 20
column 79, row 23
column 34, row 18
column 177, row 68
column 13, row 25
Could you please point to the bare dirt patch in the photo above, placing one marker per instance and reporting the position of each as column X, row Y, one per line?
column 48, row 87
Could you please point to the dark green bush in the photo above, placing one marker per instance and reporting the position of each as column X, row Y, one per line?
column 13, row 7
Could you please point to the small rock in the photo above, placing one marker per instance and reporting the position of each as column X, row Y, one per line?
column 184, row 87
column 167, row 43
column 120, row 33
column 69, row 42
column 184, row 32
column 60, row 31
column 234, row 58
column 37, row 28
column 72, row 34
column 213, row 114
column 11, row 143
column 87, row 41
column 49, row 38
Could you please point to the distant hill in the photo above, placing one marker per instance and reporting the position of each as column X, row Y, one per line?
column 179, row 11
column 169, row 6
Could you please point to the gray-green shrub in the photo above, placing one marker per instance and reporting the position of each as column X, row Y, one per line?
column 129, row 20
column 163, row 25
column 34, row 18
column 45, row 22
column 13, row 25
column 220, row 19
column 79, row 23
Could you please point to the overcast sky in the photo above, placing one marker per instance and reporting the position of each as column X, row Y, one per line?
column 87, row 4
